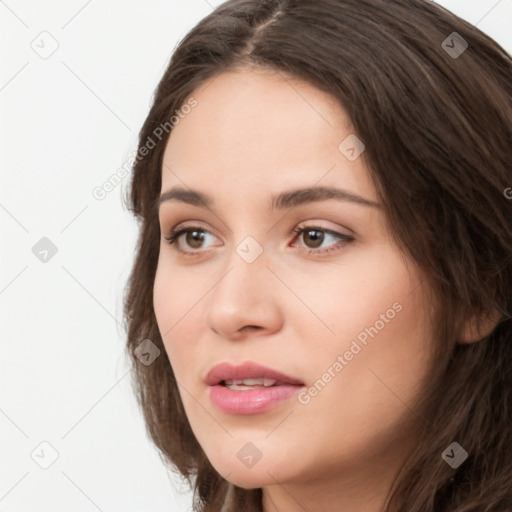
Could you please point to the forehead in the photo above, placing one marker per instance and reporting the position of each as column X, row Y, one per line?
column 259, row 128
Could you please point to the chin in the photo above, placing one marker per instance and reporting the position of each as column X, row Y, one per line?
column 246, row 479
column 264, row 472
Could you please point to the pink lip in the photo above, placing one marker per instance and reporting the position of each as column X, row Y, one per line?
column 249, row 370
column 250, row 401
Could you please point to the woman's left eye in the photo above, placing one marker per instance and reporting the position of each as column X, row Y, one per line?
column 318, row 234
column 315, row 234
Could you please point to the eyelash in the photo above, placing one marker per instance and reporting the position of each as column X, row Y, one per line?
column 178, row 231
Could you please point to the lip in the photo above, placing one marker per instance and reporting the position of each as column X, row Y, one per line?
column 250, row 401
column 248, row 370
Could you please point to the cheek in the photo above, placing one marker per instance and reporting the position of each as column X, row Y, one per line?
column 357, row 402
column 174, row 295
column 380, row 331
column 163, row 303
column 175, row 315
column 354, row 297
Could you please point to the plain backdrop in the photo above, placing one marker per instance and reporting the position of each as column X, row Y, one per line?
column 76, row 81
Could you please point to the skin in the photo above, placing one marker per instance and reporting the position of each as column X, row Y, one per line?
column 255, row 133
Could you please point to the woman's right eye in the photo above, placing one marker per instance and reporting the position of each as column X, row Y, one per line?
column 195, row 236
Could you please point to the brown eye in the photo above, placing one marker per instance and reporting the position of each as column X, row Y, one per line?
column 194, row 238
column 314, row 237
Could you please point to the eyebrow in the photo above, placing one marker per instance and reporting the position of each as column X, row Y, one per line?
column 288, row 199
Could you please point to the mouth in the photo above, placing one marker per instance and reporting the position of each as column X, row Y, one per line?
column 254, row 383
column 249, row 388
column 248, row 375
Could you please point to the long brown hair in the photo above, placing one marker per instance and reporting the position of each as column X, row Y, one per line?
column 434, row 110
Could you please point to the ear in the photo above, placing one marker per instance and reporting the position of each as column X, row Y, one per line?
column 472, row 332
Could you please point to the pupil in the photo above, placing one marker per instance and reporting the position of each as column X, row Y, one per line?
column 319, row 239
column 197, row 238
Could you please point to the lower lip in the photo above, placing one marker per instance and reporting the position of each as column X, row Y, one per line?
column 251, row 401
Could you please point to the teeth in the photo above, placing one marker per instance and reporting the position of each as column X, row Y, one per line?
column 237, row 383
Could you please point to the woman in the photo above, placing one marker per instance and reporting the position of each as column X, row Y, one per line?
column 324, row 271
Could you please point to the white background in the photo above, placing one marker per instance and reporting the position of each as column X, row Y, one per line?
column 68, row 122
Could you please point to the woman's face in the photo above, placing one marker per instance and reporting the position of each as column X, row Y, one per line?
column 343, row 317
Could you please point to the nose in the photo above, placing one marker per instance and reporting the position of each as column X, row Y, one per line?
column 245, row 299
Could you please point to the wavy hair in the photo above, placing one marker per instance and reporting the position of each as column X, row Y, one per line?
column 437, row 126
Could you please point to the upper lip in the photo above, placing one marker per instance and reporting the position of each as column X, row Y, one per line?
column 248, row 370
